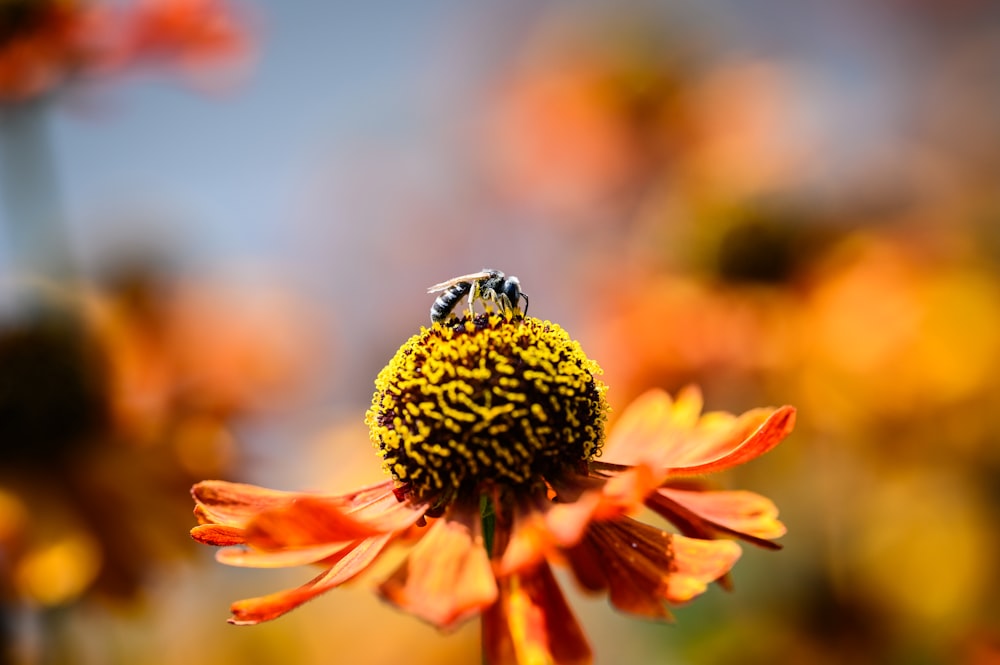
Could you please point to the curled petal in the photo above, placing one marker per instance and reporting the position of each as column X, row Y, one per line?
column 662, row 433
column 233, row 504
column 750, row 436
column 219, row 535
column 742, row 514
column 447, row 576
column 531, row 623
column 349, row 563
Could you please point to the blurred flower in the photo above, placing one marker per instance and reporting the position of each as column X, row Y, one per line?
column 188, row 355
column 579, row 124
column 909, row 329
column 45, row 44
column 491, row 429
column 110, row 407
column 888, row 338
column 751, row 130
column 193, row 35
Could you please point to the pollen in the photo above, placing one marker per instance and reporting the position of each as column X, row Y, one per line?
column 488, row 401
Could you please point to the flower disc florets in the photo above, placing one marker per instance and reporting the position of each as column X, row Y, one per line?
column 486, row 402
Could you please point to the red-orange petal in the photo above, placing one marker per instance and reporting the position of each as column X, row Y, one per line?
column 643, row 568
column 661, row 432
column 304, row 522
column 631, row 560
column 272, row 520
column 706, row 514
column 447, row 577
column 234, row 504
column 753, row 434
column 347, row 565
column 531, row 623
column 218, row 534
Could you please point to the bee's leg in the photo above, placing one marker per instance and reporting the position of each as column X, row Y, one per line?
column 505, row 306
column 489, row 295
column 473, row 294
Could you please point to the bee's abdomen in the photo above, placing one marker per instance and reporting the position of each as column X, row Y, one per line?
column 446, row 302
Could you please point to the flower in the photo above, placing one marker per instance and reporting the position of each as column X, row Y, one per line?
column 110, row 407
column 493, row 432
column 44, row 42
column 192, row 35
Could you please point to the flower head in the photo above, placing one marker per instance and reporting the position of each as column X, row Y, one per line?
column 486, row 406
column 493, row 432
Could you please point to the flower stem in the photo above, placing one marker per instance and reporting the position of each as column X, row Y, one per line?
column 37, row 239
column 489, row 521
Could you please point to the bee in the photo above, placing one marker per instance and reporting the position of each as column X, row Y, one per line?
column 486, row 285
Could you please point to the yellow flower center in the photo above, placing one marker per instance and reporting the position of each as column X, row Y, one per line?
column 486, row 402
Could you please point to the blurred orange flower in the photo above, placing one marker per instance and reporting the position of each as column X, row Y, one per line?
column 46, row 43
column 193, row 34
column 110, row 407
column 491, row 430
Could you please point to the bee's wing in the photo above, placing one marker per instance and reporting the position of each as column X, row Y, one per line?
column 482, row 274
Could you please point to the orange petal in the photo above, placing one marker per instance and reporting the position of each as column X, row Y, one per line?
column 531, row 623
column 250, row 558
column 649, row 425
column 530, row 542
column 644, row 568
column 631, row 560
column 696, row 563
column 537, row 534
column 625, row 492
column 218, row 534
column 234, row 504
column 660, row 432
column 306, row 521
column 350, row 563
column 447, row 576
column 705, row 514
column 750, row 436
column 309, row 520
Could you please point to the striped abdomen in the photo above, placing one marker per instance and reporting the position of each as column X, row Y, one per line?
column 446, row 302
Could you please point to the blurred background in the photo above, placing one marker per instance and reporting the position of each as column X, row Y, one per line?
column 219, row 220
